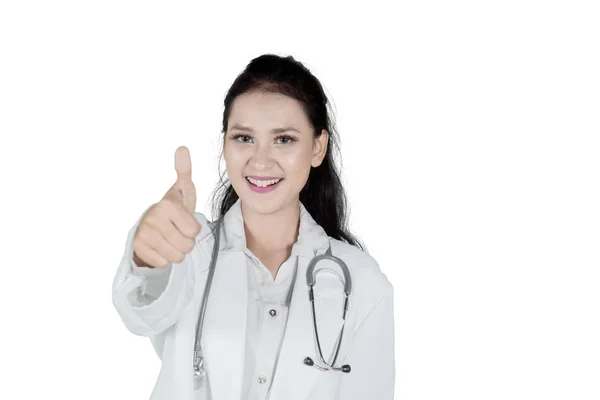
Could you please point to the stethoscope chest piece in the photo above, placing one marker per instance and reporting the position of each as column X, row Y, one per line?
column 199, row 372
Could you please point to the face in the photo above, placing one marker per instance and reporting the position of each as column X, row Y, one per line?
column 269, row 137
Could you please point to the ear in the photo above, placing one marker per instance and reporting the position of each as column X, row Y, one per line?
column 320, row 148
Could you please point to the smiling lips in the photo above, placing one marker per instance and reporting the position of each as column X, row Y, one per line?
column 263, row 182
column 263, row 185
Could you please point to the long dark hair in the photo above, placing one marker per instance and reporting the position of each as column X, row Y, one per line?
column 323, row 196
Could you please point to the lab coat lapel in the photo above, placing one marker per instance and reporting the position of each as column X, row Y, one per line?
column 293, row 379
column 224, row 333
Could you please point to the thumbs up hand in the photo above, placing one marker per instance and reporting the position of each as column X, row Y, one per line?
column 166, row 232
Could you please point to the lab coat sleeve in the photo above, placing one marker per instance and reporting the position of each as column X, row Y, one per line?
column 150, row 300
column 371, row 355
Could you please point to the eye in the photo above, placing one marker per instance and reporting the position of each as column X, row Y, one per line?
column 288, row 138
column 239, row 135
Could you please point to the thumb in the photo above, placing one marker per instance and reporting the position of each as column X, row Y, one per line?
column 183, row 166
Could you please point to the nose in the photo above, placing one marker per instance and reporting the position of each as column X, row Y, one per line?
column 262, row 159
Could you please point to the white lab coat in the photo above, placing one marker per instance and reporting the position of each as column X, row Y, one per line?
column 168, row 316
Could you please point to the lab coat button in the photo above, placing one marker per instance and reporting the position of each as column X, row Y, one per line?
column 262, row 379
column 273, row 313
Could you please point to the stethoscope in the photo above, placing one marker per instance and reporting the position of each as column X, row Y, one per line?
column 311, row 275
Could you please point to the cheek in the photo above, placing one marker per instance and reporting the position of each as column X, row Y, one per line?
column 234, row 162
column 296, row 164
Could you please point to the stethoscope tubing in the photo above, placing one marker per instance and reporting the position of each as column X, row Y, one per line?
column 198, row 356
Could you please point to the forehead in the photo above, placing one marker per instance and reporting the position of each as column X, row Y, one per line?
column 260, row 110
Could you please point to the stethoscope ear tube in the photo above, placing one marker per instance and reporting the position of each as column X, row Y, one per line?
column 311, row 279
column 309, row 361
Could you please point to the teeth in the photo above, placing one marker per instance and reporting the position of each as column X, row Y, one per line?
column 261, row 183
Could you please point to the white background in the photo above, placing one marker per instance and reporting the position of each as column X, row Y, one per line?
column 470, row 149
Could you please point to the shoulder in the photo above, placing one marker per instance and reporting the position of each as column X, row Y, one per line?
column 369, row 283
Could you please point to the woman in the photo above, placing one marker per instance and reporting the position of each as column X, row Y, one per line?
column 282, row 205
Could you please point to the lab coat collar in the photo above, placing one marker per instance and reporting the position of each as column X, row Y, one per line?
column 312, row 238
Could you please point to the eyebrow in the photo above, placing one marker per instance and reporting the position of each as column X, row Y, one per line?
column 273, row 131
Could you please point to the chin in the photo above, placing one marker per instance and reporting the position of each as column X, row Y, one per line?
column 261, row 206
column 254, row 202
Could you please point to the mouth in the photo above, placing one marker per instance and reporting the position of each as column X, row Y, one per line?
column 262, row 183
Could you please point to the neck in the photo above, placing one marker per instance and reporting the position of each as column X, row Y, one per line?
column 272, row 233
